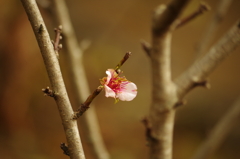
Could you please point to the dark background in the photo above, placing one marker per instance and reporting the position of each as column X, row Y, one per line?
column 30, row 126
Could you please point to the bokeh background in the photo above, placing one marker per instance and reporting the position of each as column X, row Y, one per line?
column 30, row 127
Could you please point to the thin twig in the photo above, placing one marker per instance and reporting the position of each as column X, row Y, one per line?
column 203, row 7
column 56, row 80
column 84, row 106
column 56, row 43
column 219, row 132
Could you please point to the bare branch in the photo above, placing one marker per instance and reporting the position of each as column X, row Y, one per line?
column 161, row 116
column 79, row 80
column 213, row 24
column 219, row 132
column 203, row 7
column 201, row 69
column 55, row 76
column 84, row 106
column 56, row 43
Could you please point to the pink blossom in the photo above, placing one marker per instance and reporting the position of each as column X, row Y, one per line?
column 118, row 87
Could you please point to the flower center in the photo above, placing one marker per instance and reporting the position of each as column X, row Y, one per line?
column 117, row 84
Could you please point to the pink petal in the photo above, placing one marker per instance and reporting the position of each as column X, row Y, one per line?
column 109, row 92
column 129, row 93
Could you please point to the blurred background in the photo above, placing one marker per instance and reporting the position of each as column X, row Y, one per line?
column 30, row 126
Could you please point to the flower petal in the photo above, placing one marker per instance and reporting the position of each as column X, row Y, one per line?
column 109, row 76
column 129, row 93
column 109, row 92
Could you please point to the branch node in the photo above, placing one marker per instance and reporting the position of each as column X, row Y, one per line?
column 146, row 47
column 80, row 111
column 180, row 103
column 48, row 92
column 204, row 83
column 40, row 29
column 84, row 107
column 148, row 133
column 64, row 147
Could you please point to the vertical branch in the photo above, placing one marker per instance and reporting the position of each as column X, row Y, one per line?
column 219, row 132
column 55, row 76
column 161, row 116
column 79, row 79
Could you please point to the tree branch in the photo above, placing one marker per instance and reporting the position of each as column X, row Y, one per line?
column 161, row 116
column 218, row 16
column 219, row 132
column 56, row 80
column 203, row 7
column 201, row 69
column 79, row 80
column 84, row 106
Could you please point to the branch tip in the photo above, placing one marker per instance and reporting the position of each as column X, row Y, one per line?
column 125, row 58
column 64, row 147
column 203, row 7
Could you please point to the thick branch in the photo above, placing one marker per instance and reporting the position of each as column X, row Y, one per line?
column 165, row 15
column 161, row 116
column 219, row 132
column 55, row 76
column 201, row 69
column 79, row 79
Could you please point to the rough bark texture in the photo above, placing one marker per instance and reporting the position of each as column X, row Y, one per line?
column 55, row 76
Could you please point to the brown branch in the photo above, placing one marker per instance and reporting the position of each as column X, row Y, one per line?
column 161, row 115
column 203, row 7
column 219, row 132
column 56, row 80
column 213, row 25
column 84, row 106
column 124, row 59
column 201, row 69
column 79, row 80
